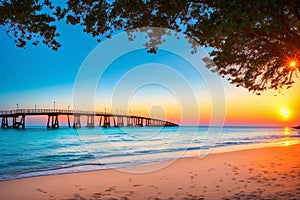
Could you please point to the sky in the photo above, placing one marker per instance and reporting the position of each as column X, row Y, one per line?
column 119, row 76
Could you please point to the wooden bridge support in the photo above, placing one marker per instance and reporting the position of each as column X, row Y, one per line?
column 139, row 122
column 106, row 122
column 77, row 123
column 18, row 124
column 169, row 124
column 129, row 122
column 69, row 125
column 120, row 122
column 100, row 121
column 148, row 122
column 157, row 123
column 115, row 122
column 134, row 120
column 4, row 123
column 54, row 121
column 90, row 121
column 154, row 122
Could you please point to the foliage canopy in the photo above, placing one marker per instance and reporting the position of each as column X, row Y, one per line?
column 256, row 44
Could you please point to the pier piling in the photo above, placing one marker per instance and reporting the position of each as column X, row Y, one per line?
column 77, row 123
column 54, row 121
column 90, row 121
column 18, row 124
column 4, row 123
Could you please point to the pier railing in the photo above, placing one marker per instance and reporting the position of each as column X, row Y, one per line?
column 46, row 111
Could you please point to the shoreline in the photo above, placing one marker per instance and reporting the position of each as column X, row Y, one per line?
column 254, row 173
column 186, row 154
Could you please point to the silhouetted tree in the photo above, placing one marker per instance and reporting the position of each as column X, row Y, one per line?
column 255, row 43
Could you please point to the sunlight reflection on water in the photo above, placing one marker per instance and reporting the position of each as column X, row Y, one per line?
column 287, row 131
column 289, row 142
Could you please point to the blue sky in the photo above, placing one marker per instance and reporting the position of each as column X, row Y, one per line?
column 39, row 75
column 32, row 70
column 40, row 68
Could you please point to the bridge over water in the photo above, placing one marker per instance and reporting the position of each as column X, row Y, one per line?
column 105, row 119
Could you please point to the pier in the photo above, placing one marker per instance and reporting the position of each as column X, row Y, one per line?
column 104, row 119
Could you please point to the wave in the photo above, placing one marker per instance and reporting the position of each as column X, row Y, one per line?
column 63, row 169
column 39, row 152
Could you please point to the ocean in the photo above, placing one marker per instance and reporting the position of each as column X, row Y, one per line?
column 37, row 151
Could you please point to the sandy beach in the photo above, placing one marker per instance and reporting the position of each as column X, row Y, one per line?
column 266, row 173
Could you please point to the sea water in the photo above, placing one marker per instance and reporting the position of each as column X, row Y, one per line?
column 37, row 151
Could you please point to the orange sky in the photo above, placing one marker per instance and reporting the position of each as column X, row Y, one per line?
column 243, row 107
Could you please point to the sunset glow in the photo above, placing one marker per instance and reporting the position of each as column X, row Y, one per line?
column 285, row 113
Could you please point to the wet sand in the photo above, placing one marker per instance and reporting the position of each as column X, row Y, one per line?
column 267, row 173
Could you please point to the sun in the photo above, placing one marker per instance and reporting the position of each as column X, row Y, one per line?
column 293, row 63
column 285, row 113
